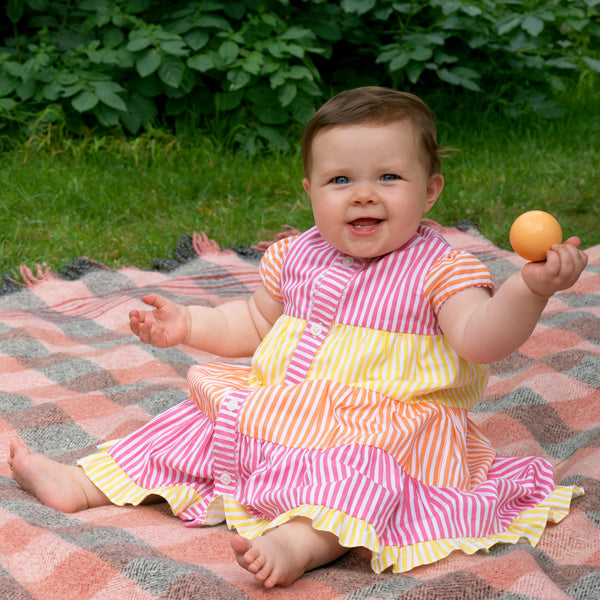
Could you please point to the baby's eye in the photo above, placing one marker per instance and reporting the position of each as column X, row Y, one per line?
column 389, row 177
column 340, row 179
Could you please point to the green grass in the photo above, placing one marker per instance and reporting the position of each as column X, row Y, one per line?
column 125, row 203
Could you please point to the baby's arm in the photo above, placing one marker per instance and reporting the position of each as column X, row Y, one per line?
column 484, row 328
column 231, row 329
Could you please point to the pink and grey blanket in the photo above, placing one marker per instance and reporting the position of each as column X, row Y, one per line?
column 72, row 376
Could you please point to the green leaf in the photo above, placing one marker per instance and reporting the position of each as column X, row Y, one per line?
column 310, row 87
column 148, row 62
column 295, row 33
column 459, row 77
column 124, row 59
column 38, row 5
column 68, row 78
column 532, row 25
column 108, row 96
column 107, row 116
column 578, row 24
column 7, row 104
column 235, row 10
column 174, row 47
column 228, row 100
column 150, row 87
column 84, row 101
column 253, row 63
column 592, row 63
column 52, row 91
column 140, row 111
column 7, row 84
column 200, row 62
column 327, row 30
column 399, row 62
column 273, row 136
column 302, row 109
column 262, row 95
column 472, row 11
column 113, row 37
column 413, row 71
column 139, row 40
column 136, row 6
column 171, row 72
column 562, row 62
column 509, row 24
column 358, row 6
column 27, row 89
column 271, row 115
column 72, row 90
column 295, row 50
column 277, row 48
column 216, row 22
column 228, row 51
column 421, row 53
column 298, row 72
column 196, row 39
column 238, row 79
column 14, row 10
column 287, row 93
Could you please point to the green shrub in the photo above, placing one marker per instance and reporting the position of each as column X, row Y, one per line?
column 248, row 70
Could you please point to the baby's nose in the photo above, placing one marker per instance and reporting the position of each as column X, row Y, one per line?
column 364, row 194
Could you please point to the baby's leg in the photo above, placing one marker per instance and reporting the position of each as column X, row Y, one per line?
column 282, row 555
column 63, row 487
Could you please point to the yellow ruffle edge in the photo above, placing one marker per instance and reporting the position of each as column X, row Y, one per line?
column 353, row 532
column 350, row 531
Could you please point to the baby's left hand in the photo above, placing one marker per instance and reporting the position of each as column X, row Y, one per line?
column 562, row 268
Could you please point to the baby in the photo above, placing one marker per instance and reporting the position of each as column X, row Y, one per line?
column 370, row 337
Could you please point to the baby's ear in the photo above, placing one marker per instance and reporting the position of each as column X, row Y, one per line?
column 306, row 185
column 435, row 185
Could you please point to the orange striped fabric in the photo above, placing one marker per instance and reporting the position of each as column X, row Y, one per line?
column 404, row 392
column 454, row 272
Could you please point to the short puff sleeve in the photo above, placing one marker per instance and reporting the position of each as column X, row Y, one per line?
column 454, row 272
column 271, row 264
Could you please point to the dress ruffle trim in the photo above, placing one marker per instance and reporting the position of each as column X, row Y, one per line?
column 351, row 531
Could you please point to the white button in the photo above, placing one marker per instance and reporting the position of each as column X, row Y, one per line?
column 225, row 478
column 232, row 405
column 316, row 329
column 348, row 261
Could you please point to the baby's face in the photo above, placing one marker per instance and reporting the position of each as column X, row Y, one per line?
column 369, row 187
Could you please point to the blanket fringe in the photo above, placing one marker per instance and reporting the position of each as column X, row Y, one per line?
column 203, row 245
column 288, row 231
column 43, row 273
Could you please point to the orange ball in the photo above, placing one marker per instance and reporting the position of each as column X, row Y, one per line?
column 533, row 233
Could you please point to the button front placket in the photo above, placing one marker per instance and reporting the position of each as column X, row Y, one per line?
column 225, row 443
column 324, row 306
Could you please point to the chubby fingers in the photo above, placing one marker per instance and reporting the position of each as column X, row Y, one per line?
column 145, row 332
column 573, row 241
column 566, row 261
column 155, row 300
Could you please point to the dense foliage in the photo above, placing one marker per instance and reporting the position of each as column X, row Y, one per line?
column 253, row 68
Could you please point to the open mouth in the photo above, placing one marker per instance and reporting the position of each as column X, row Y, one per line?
column 364, row 225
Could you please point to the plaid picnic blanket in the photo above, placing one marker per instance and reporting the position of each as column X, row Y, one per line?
column 72, row 376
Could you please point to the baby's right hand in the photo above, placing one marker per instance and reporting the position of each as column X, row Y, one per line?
column 163, row 327
column 563, row 265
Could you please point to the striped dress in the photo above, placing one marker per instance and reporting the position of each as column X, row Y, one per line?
column 353, row 414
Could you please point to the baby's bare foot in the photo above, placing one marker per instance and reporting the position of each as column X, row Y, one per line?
column 63, row 487
column 282, row 555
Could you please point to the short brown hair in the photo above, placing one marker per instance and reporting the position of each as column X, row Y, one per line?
column 376, row 106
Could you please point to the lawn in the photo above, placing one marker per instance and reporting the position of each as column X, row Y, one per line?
column 126, row 202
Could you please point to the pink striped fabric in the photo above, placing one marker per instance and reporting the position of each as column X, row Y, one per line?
column 383, row 464
column 374, row 299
